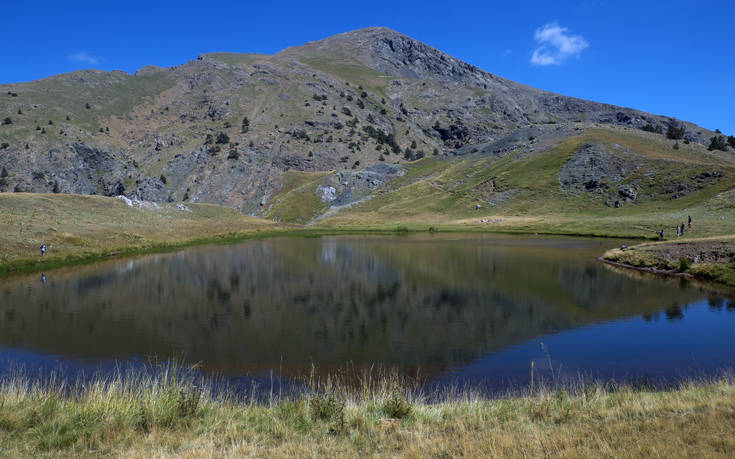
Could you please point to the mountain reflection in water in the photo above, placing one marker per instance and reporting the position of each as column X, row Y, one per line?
column 428, row 302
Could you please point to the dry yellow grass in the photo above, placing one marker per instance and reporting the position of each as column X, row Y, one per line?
column 160, row 417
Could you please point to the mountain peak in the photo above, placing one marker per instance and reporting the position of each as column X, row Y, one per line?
column 391, row 53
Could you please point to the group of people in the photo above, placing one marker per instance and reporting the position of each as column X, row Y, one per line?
column 679, row 229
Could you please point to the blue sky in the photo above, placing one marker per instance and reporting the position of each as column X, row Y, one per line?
column 667, row 57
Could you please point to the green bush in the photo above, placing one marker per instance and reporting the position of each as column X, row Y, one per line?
column 222, row 138
column 675, row 133
column 327, row 408
column 717, row 142
column 396, row 406
column 684, row 264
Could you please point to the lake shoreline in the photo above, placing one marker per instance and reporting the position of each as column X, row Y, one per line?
column 27, row 265
column 710, row 259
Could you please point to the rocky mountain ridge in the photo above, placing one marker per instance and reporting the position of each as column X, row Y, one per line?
column 243, row 130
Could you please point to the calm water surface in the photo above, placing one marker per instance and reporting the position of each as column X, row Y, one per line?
column 475, row 309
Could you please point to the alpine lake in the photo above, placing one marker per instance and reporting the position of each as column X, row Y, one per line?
column 478, row 310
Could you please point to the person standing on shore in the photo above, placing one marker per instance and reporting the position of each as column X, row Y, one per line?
column 43, row 249
column 677, row 231
column 682, row 230
column 690, row 221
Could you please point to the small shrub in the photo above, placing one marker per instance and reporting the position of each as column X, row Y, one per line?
column 163, row 179
column 222, row 138
column 87, row 106
column 56, row 188
column 717, row 142
column 4, row 145
column 396, row 406
column 187, row 402
column 684, row 264
column 675, row 133
column 327, row 408
column 650, row 128
column 7, row 120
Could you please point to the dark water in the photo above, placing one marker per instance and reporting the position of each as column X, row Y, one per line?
column 455, row 308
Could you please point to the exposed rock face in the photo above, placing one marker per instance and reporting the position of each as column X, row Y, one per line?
column 592, row 167
column 351, row 186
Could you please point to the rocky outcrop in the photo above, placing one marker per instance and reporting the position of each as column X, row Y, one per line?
column 592, row 168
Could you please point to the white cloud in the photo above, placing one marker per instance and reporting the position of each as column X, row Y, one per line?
column 555, row 45
column 83, row 57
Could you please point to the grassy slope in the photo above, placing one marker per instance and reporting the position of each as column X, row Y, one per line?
column 76, row 227
column 441, row 194
column 161, row 415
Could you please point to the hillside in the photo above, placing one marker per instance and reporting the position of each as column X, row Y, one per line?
column 335, row 130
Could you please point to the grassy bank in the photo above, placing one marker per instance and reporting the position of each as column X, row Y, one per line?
column 711, row 258
column 161, row 415
column 80, row 229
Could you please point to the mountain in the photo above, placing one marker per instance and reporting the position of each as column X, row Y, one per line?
column 337, row 127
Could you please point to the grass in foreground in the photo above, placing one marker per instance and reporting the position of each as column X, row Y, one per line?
column 711, row 258
column 164, row 415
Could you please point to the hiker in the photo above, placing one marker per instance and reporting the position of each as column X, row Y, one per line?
column 661, row 233
column 690, row 221
column 682, row 230
column 678, row 231
column 43, row 249
column 43, row 278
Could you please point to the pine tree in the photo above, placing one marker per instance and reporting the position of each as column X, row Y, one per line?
column 717, row 142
